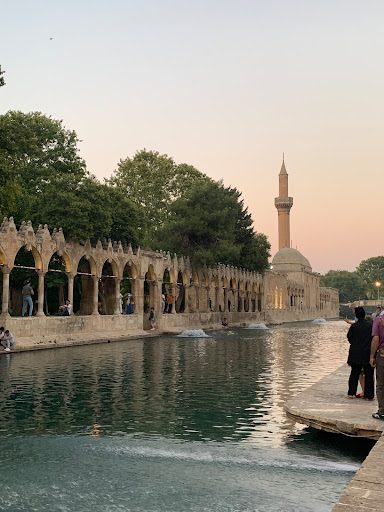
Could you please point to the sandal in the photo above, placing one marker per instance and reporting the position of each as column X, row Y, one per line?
column 378, row 416
column 360, row 395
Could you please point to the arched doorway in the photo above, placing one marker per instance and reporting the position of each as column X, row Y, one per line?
column 56, row 284
column 107, row 303
column 84, row 283
column 166, row 293
column 180, row 293
column 26, row 265
column 150, row 283
column 127, row 288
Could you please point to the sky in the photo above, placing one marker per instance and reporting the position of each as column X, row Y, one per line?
column 226, row 86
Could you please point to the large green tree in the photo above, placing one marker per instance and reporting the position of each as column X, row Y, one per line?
column 350, row 284
column 44, row 179
column 372, row 271
column 36, row 151
column 153, row 182
column 210, row 224
column 89, row 210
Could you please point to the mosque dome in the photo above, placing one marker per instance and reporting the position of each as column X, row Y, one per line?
column 290, row 260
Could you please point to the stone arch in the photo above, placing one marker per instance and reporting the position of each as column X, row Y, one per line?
column 150, row 284
column 247, row 297
column 194, row 293
column 56, row 283
column 108, row 297
column 84, row 285
column 180, row 292
column 128, row 287
column 25, row 266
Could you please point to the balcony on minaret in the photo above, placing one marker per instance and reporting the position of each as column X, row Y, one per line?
column 283, row 203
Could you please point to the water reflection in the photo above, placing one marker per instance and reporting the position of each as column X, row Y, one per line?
column 230, row 387
column 171, row 424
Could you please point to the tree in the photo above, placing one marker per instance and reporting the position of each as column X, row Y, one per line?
column 211, row 225
column 91, row 210
column 350, row 285
column 36, row 151
column 153, row 182
column 2, row 81
column 372, row 271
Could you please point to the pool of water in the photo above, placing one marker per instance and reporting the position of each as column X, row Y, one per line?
column 172, row 424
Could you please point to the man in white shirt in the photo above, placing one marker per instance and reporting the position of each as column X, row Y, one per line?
column 8, row 341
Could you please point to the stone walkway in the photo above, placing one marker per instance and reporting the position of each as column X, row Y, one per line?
column 325, row 406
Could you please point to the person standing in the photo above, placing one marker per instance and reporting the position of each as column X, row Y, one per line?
column 377, row 361
column 359, row 336
column 27, row 293
column 169, row 302
column 152, row 318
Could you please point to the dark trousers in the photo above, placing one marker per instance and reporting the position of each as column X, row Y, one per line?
column 368, row 380
column 380, row 379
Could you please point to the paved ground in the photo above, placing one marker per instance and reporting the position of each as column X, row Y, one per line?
column 325, row 406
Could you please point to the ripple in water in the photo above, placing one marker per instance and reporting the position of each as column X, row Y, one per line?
column 171, row 425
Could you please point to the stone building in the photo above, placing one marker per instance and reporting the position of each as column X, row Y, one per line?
column 99, row 277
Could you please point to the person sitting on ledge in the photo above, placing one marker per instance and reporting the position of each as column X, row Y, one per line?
column 66, row 309
column 8, row 341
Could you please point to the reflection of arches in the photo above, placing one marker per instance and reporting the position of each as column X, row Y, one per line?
column 56, row 284
column 84, row 286
column 25, row 265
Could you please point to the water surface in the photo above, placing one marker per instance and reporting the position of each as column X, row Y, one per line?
column 172, row 424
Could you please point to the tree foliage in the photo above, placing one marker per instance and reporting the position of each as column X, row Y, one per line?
column 211, row 225
column 350, row 285
column 36, row 152
column 43, row 178
column 372, row 271
column 153, row 182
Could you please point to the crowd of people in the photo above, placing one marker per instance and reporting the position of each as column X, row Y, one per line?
column 365, row 356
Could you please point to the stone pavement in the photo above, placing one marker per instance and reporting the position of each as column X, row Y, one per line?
column 365, row 492
column 325, row 406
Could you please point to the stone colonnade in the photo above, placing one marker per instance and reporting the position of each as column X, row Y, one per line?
column 103, row 267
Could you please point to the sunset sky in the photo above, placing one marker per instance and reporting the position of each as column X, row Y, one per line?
column 226, row 86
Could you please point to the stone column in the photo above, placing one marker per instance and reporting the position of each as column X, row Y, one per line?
column 138, row 295
column 71, row 278
column 5, row 304
column 225, row 300
column 217, row 293
column 95, row 302
column 40, row 298
column 186, row 298
column 173, row 292
column 208, row 309
column 117, row 296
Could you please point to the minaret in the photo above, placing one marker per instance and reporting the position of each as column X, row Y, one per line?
column 283, row 204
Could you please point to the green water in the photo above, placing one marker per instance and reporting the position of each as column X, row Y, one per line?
column 172, row 424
